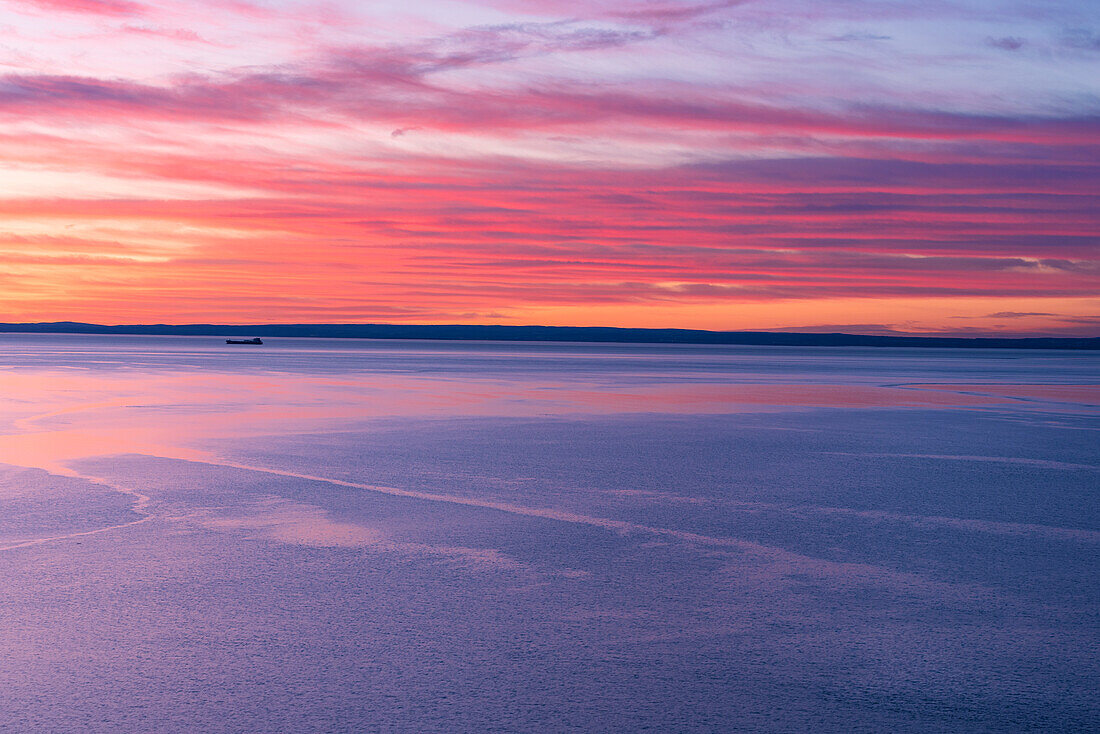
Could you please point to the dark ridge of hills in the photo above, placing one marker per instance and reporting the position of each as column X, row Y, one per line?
column 557, row 334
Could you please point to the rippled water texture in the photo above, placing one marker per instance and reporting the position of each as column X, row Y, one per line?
column 409, row 536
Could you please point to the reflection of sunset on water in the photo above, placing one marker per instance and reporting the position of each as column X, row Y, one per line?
column 198, row 538
column 164, row 413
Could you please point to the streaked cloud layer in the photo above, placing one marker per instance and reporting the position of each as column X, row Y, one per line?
column 725, row 164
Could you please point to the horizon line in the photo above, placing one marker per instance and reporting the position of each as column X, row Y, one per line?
column 541, row 333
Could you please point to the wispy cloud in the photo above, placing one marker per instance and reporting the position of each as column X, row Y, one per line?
column 1017, row 315
column 93, row 7
column 1085, row 39
column 1007, row 43
column 542, row 157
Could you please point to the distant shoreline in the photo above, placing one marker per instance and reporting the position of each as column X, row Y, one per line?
column 556, row 334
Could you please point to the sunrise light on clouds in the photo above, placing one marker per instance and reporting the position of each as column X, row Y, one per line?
column 861, row 166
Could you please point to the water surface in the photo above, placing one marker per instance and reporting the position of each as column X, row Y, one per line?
column 325, row 535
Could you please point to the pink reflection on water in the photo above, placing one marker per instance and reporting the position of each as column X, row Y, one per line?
column 56, row 416
column 287, row 521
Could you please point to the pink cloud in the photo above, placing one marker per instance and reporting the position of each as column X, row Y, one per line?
column 547, row 169
column 93, row 7
column 175, row 34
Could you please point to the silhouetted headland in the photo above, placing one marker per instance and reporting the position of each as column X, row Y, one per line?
column 557, row 334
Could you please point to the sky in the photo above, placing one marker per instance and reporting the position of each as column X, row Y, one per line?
column 852, row 165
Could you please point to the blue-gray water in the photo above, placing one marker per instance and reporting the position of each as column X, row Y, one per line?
column 406, row 536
